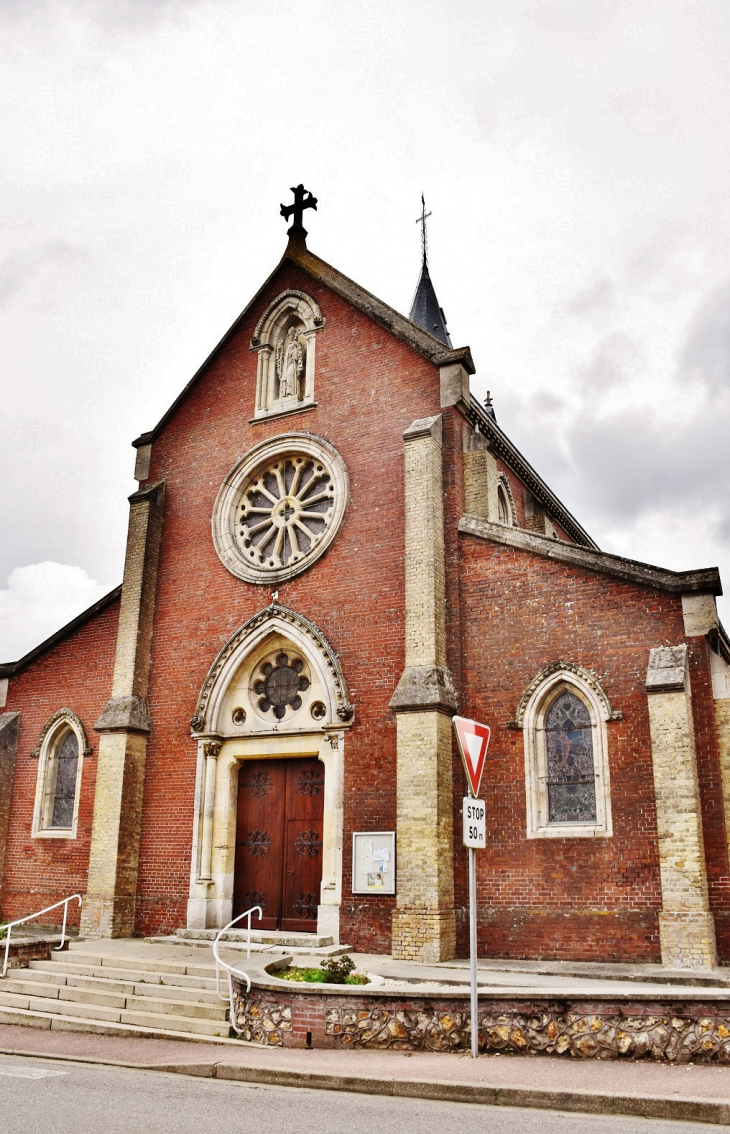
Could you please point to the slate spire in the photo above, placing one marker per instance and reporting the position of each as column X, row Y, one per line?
column 425, row 309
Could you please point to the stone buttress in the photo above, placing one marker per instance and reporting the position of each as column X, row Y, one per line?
column 424, row 700
column 109, row 905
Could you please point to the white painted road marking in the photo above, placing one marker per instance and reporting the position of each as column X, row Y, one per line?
column 30, row 1072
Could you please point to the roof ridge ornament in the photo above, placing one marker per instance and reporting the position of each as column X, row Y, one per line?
column 303, row 199
column 424, row 231
column 426, row 311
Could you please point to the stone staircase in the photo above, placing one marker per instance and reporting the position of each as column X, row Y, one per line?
column 117, row 994
column 262, row 941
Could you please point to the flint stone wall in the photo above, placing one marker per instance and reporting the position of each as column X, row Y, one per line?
column 666, row 1031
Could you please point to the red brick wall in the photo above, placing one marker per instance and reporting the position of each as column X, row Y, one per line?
column 572, row 898
column 75, row 674
column 369, row 388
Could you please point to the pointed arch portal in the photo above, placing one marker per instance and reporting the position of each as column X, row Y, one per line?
column 270, row 724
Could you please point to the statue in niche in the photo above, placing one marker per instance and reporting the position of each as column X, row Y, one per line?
column 290, row 364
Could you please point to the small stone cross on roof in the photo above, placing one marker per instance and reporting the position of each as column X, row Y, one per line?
column 303, row 199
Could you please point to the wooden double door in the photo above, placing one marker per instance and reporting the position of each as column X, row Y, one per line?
column 279, row 842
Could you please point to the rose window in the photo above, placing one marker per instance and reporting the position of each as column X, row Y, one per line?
column 280, row 684
column 280, row 508
column 285, row 512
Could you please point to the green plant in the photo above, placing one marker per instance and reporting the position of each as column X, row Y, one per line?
column 338, row 969
column 332, row 971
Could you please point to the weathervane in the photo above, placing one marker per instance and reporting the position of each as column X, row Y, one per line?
column 424, row 234
column 303, row 199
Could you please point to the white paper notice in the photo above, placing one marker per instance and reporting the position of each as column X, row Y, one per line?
column 366, row 855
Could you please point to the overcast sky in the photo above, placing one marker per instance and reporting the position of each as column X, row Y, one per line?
column 575, row 154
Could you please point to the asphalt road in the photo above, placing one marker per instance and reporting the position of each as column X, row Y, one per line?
column 45, row 1097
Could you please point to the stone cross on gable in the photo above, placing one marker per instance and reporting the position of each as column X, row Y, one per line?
column 303, row 199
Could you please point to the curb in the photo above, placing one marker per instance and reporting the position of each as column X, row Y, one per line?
column 677, row 1107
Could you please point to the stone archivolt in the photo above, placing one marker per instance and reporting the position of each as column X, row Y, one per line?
column 567, row 669
column 239, row 667
column 65, row 716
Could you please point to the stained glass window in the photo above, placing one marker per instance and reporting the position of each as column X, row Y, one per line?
column 64, row 791
column 571, row 781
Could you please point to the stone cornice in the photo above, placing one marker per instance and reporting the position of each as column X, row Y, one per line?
column 501, row 446
column 705, row 581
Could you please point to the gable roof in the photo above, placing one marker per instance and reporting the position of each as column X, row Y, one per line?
column 387, row 317
column 420, row 340
column 9, row 669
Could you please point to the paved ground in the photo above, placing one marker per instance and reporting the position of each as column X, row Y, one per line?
column 691, row 1079
column 39, row 1097
column 687, row 1092
column 547, row 978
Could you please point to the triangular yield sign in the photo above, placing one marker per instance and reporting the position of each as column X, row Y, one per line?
column 473, row 740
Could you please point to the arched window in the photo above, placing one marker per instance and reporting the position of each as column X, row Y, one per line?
column 505, row 503
column 60, row 750
column 571, row 780
column 563, row 714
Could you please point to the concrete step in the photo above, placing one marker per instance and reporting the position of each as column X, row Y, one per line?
column 258, row 937
column 258, row 948
column 130, row 963
column 136, row 987
column 177, row 1023
column 184, row 1008
column 105, row 999
column 52, row 1004
column 168, row 1015
column 59, row 1022
column 215, row 1009
column 125, row 975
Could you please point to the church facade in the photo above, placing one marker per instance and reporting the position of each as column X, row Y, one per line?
column 332, row 550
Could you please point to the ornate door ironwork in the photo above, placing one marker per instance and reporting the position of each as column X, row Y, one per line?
column 279, row 842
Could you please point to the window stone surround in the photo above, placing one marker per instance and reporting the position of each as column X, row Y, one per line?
column 530, row 718
column 48, row 742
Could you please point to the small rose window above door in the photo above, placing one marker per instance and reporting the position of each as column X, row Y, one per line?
column 279, row 685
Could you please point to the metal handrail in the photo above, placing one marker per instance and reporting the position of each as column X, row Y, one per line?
column 229, row 968
column 21, row 921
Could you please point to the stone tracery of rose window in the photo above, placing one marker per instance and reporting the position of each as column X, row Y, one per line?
column 279, row 684
column 285, row 512
column 280, row 507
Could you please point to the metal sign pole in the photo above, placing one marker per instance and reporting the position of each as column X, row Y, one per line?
column 473, row 740
column 473, row 951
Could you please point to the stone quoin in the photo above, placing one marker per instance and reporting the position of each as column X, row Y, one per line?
column 334, row 548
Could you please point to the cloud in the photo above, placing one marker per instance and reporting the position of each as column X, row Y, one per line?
column 40, row 599
column 24, row 265
column 117, row 12
column 648, row 480
column 706, row 356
